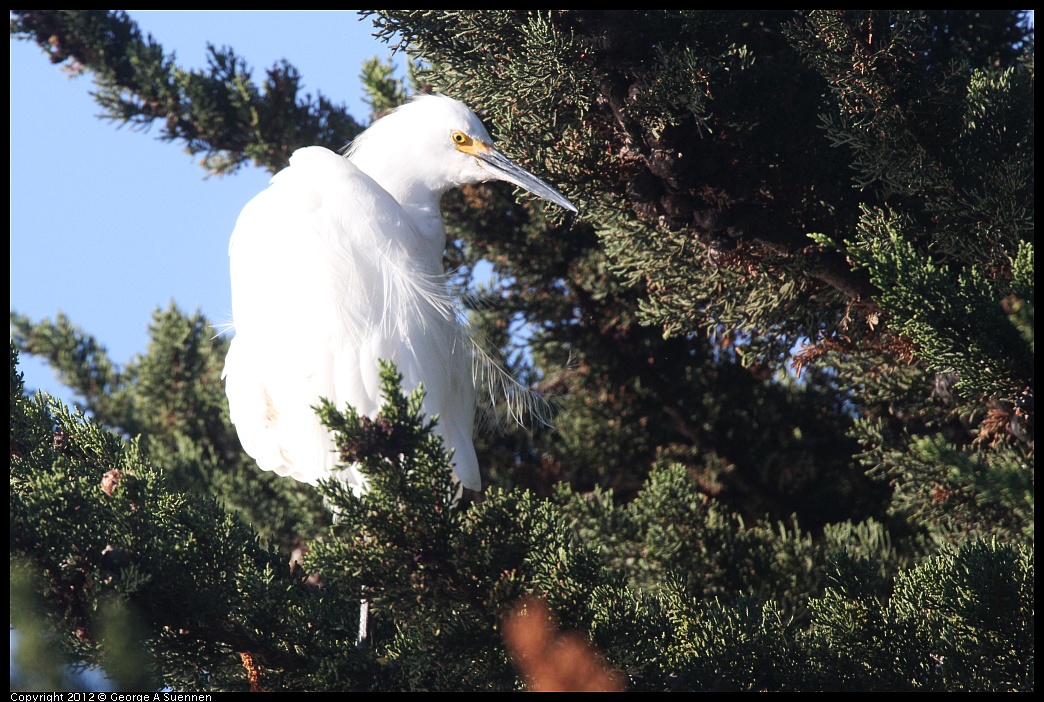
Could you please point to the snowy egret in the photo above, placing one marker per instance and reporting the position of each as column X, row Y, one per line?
column 337, row 265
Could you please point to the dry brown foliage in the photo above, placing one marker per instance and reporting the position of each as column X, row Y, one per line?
column 554, row 661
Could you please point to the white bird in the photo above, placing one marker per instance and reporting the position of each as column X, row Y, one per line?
column 338, row 265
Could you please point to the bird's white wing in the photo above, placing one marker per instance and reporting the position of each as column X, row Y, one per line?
column 329, row 277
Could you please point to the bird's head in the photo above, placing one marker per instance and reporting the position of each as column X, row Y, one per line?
column 436, row 143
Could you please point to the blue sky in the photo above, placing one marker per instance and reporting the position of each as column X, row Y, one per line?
column 108, row 223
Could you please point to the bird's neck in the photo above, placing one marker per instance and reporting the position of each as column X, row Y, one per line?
column 419, row 200
column 426, row 218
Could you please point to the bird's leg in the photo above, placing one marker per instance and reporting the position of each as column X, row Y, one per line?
column 364, row 621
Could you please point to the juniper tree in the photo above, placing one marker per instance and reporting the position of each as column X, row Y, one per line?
column 789, row 344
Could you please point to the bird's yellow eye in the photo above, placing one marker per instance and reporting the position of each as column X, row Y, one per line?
column 461, row 139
